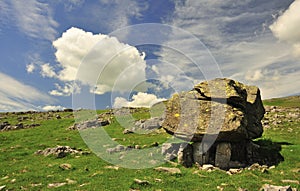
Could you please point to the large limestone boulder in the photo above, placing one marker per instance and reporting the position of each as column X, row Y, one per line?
column 222, row 108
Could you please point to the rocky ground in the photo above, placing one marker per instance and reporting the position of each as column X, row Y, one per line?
column 276, row 117
column 30, row 119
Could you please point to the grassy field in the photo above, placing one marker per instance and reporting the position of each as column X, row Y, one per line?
column 21, row 169
column 292, row 101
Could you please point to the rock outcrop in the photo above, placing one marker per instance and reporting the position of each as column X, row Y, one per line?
column 217, row 121
column 191, row 115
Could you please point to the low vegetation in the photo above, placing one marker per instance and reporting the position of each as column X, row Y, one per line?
column 22, row 169
column 292, row 101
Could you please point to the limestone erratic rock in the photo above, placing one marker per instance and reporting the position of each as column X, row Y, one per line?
column 223, row 107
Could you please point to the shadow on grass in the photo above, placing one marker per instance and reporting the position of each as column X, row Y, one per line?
column 268, row 152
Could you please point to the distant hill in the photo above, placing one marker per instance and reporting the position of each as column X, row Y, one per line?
column 291, row 101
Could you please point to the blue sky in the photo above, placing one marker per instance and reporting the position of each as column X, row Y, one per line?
column 45, row 44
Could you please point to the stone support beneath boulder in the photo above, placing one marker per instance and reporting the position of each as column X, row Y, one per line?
column 200, row 154
column 223, row 155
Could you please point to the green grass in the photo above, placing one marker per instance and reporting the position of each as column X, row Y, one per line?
column 21, row 169
column 292, row 101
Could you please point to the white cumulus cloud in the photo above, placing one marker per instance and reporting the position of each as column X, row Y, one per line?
column 53, row 107
column 286, row 27
column 30, row 68
column 47, row 71
column 104, row 62
column 65, row 90
column 139, row 100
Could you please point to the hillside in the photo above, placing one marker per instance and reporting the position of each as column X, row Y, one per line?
column 291, row 101
column 21, row 168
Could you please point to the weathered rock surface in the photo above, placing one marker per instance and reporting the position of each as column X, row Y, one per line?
column 222, row 107
column 223, row 155
column 60, row 151
column 185, row 155
column 149, row 124
column 168, row 170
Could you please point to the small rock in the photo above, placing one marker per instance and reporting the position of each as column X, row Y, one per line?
column 58, row 117
column 208, row 167
column 2, row 187
column 112, row 167
column 220, row 188
column 60, row 151
column 272, row 167
column 155, row 144
column 242, row 189
column 56, row 185
column 36, row 185
column 254, row 166
column 268, row 187
column 69, row 181
column 168, row 170
column 127, row 131
column 290, row 181
column 65, row 166
column 13, row 180
column 234, row 171
column 141, row 182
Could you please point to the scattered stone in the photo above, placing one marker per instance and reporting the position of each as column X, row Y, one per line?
column 155, row 144
column 65, row 166
column 23, row 118
column 297, row 170
column 112, row 167
column 268, row 187
column 290, row 181
column 208, row 167
column 127, row 131
column 36, row 185
column 69, row 181
column 60, row 151
column 56, row 185
column 5, row 177
column 141, row 182
column 89, row 124
column 149, row 124
column 2, row 187
column 58, row 117
column 234, row 171
column 256, row 166
column 168, row 170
